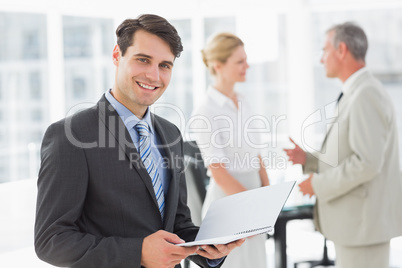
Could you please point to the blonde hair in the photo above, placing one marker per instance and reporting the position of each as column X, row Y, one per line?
column 219, row 48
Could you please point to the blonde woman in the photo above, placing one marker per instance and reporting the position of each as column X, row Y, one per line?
column 230, row 151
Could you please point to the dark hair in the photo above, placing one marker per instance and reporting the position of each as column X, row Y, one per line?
column 354, row 38
column 152, row 24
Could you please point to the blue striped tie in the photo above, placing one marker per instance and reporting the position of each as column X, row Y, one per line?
column 146, row 157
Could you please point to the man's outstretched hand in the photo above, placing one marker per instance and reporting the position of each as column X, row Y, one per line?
column 306, row 186
column 296, row 155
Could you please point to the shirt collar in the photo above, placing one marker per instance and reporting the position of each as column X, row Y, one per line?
column 129, row 119
column 218, row 97
column 350, row 81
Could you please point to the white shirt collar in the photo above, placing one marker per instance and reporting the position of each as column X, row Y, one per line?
column 349, row 82
column 129, row 119
column 219, row 97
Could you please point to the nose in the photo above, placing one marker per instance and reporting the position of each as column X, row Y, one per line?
column 322, row 59
column 152, row 73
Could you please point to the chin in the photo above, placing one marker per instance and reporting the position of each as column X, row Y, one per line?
column 328, row 73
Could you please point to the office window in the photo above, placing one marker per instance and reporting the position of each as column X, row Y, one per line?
column 23, row 64
column 23, row 37
column 108, row 36
column 35, row 84
column 88, row 67
column 77, row 42
column 213, row 26
column 79, row 88
column 4, row 168
column 31, row 44
column 36, row 115
column 266, row 85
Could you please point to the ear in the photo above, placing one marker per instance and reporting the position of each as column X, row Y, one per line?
column 342, row 50
column 116, row 55
column 217, row 65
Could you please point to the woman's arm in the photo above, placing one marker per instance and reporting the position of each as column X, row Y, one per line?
column 263, row 173
column 226, row 181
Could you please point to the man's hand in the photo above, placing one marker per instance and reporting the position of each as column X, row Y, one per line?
column 158, row 250
column 218, row 251
column 296, row 155
column 306, row 187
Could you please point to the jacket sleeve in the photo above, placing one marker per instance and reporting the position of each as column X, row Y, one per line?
column 369, row 127
column 62, row 190
column 311, row 165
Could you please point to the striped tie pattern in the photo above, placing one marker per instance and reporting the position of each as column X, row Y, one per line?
column 146, row 157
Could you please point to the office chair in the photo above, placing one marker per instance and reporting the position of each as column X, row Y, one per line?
column 195, row 168
column 325, row 261
column 197, row 181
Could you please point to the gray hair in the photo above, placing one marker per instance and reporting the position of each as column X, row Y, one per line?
column 354, row 38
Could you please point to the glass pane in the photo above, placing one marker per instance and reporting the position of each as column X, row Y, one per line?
column 88, row 67
column 23, row 93
column 213, row 26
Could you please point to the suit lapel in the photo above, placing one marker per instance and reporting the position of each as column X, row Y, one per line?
column 343, row 102
column 110, row 119
column 334, row 121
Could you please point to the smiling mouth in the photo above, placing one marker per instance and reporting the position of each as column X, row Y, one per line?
column 146, row 86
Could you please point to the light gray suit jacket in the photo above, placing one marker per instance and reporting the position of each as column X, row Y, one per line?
column 95, row 201
column 358, row 185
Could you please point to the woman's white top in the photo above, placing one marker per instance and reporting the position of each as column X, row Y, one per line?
column 226, row 134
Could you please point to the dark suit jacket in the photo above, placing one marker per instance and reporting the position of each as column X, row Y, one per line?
column 95, row 200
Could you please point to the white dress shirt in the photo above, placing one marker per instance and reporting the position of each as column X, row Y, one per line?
column 227, row 134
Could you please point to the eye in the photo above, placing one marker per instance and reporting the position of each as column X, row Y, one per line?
column 165, row 66
column 143, row 60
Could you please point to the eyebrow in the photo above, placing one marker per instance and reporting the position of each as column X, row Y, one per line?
column 149, row 57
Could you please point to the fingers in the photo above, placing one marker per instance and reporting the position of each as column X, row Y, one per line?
column 218, row 251
column 180, row 255
column 296, row 146
column 291, row 151
column 210, row 252
column 183, row 252
column 292, row 141
column 240, row 242
column 172, row 238
column 159, row 250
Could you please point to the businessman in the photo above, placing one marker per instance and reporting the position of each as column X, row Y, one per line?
column 358, row 199
column 111, row 187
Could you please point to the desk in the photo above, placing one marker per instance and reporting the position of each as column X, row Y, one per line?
column 287, row 214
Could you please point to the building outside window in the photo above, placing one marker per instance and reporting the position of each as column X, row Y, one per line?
column 23, row 56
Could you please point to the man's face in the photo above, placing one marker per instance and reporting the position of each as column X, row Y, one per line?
column 330, row 57
column 143, row 73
